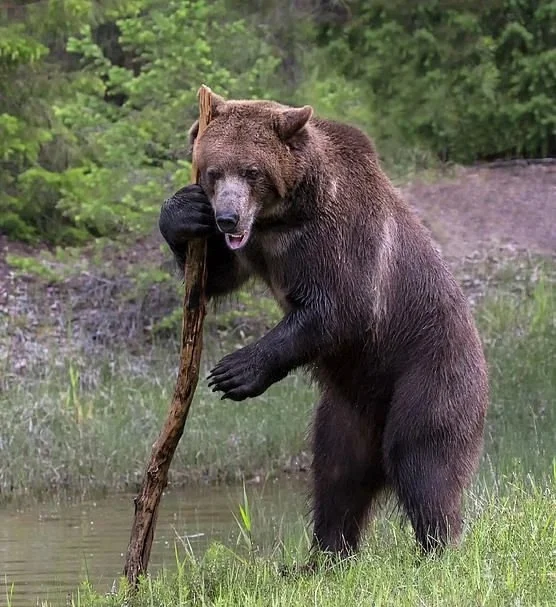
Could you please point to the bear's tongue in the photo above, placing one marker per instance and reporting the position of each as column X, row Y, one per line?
column 236, row 241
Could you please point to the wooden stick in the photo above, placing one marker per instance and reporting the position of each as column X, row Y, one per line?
column 156, row 474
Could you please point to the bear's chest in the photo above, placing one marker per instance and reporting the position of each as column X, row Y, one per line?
column 266, row 258
column 273, row 270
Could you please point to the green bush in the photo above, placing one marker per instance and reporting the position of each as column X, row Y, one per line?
column 117, row 127
column 468, row 80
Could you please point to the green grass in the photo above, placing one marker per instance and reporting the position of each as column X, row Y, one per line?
column 519, row 333
column 508, row 557
column 89, row 425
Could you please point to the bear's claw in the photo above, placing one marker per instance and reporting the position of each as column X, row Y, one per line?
column 239, row 375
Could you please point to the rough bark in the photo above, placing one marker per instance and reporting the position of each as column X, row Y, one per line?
column 156, row 474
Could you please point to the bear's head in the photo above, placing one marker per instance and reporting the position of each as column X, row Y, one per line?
column 249, row 159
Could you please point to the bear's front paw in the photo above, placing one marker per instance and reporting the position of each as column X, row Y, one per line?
column 242, row 374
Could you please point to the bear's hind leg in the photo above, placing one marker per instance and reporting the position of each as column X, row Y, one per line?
column 347, row 475
column 431, row 496
column 428, row 466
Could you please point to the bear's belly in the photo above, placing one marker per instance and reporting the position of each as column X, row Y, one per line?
column 357, row 374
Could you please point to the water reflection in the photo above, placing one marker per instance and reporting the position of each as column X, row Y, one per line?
column 47, row 550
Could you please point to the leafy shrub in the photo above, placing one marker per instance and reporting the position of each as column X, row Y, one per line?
column 120, row 121
column 468, row 80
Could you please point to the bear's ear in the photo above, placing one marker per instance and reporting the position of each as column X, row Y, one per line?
column 216, row 102
column 292, row 121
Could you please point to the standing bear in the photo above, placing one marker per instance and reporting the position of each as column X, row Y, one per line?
column 370, row 309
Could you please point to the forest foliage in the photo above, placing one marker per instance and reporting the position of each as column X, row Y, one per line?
column 96, row 97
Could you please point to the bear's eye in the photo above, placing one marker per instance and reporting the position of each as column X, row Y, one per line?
column 213, row 174
column 251, row 173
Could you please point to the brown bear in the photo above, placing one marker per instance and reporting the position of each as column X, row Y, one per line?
column 370, row 309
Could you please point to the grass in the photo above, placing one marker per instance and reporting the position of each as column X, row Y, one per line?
column 519, row 333
column 508, row 557
column 89, row 425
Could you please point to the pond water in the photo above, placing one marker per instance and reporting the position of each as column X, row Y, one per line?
column 48, row 549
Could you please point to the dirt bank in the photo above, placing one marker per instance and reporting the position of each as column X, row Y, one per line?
column 480, row 210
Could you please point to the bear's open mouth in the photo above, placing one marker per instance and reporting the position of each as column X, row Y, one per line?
column 236, row 241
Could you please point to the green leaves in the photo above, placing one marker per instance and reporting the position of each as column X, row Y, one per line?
column 133, row 145
column 120, row 112
column 16, row 48
column 97, row 97
column 467, row 80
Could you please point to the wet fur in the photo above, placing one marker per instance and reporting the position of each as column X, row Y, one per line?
column 372, row 311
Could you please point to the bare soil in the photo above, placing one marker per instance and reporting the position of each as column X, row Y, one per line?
column 479, row 210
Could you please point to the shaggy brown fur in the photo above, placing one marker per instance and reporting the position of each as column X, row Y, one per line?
column 369, row 308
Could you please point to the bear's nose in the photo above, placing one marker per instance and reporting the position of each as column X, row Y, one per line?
column 227, row 221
